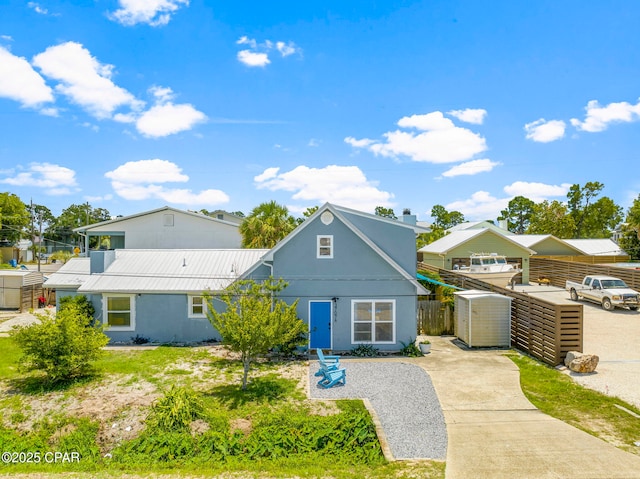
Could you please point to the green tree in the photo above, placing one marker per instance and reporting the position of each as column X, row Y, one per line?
column 630, row 240
column 307, row 214
column 592, row 219
column 518, row 214
column 385, row 212
column 61, row 346
column 14, row 218
column 551, row 218
column 266, row 224
column 444, row 219
column 73, row 217
column 254, row 320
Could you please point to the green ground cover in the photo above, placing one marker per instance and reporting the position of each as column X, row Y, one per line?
column 557, row 395
column 180, row 411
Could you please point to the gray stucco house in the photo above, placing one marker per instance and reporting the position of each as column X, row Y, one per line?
column 163, row 228
column 353, row 273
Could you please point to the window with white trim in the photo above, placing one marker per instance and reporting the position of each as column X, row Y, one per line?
column 325, row 246
column 373, row 321
column 120, row 312
column 197, row 307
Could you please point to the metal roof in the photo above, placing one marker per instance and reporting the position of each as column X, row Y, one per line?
column 457, row 238
column 70, row 275
column 172, row 271
column 596, row 247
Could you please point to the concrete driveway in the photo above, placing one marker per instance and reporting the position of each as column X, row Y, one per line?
column 614, row 336
column 494, row 432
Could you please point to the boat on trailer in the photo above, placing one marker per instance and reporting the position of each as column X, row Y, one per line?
column 491, row 268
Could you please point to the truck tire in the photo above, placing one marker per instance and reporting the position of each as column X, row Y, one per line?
column 607, row 305
column 574, row 295
column 633, row 308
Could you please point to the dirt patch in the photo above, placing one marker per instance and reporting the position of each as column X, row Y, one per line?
column 199, row 427
column 243, row 425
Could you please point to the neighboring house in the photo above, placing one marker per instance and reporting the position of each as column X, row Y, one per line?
column 478, row 225
column 163, row 228
column 226, row 216
column 596, row 247
column 546, row 245
column 455, row 249
column 353, row 274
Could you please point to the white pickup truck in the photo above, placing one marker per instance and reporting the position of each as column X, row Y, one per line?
column 608, row 291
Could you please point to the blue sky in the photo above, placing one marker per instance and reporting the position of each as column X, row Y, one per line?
column 136, row 104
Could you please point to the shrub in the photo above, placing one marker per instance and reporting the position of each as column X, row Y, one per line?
column 364, row 351
column 410, row 349
column 175, row 411
column 62, row 346
column 81, row 302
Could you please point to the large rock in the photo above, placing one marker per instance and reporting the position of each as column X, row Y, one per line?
column 581, row 363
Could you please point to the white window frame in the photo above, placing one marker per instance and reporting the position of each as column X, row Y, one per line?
column 132, row 311
column 373, row 322
column 190, row 312
column 319, row 247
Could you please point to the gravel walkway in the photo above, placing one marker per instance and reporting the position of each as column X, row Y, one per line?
column 404, row 400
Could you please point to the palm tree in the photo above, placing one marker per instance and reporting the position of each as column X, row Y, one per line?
column 267, row 224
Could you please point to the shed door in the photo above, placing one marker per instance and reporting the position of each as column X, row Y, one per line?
column 320, row 324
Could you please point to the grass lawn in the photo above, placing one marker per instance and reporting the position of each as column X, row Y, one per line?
column 180, row 412
column 559, row 396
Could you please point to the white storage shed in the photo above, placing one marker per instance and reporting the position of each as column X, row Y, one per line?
column 20, row 289
column 482, row 318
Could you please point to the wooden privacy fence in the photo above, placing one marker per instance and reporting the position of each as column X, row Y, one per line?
column 543, row 329
column 434, row 318
column 559, row 271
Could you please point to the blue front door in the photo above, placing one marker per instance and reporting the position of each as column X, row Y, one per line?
column 320, row 324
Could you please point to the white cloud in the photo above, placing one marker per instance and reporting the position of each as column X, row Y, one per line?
column 253, row 59
column 472, row 167
column 7, row 38
column 167, row 119
column 313, row 142
column 55, row 179
column 152, row 12
column 536, row 192
column 470, row 115
column 343, row 185
column 358, row 143
column 20, row 82
column 267, row 174
column 148, row 171
column 287, row 49
column 257, row 55
column 599, row 117
column 441, row 141
column 244, row 40
column 95, row 199
column 544, row 131
column 37, row 8
column 84, row 80
column 162, row 94
column 480, row 206
column 141, row 180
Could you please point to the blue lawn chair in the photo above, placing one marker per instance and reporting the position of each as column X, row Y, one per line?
column 329, row 361
column 332, row 377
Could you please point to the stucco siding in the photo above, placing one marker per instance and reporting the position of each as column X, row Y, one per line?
column 161, row 318
column 186, row 232
column 392, row 239
column 356, row 272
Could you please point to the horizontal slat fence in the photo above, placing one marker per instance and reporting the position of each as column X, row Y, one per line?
column 543, row 329
column 559, row 271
